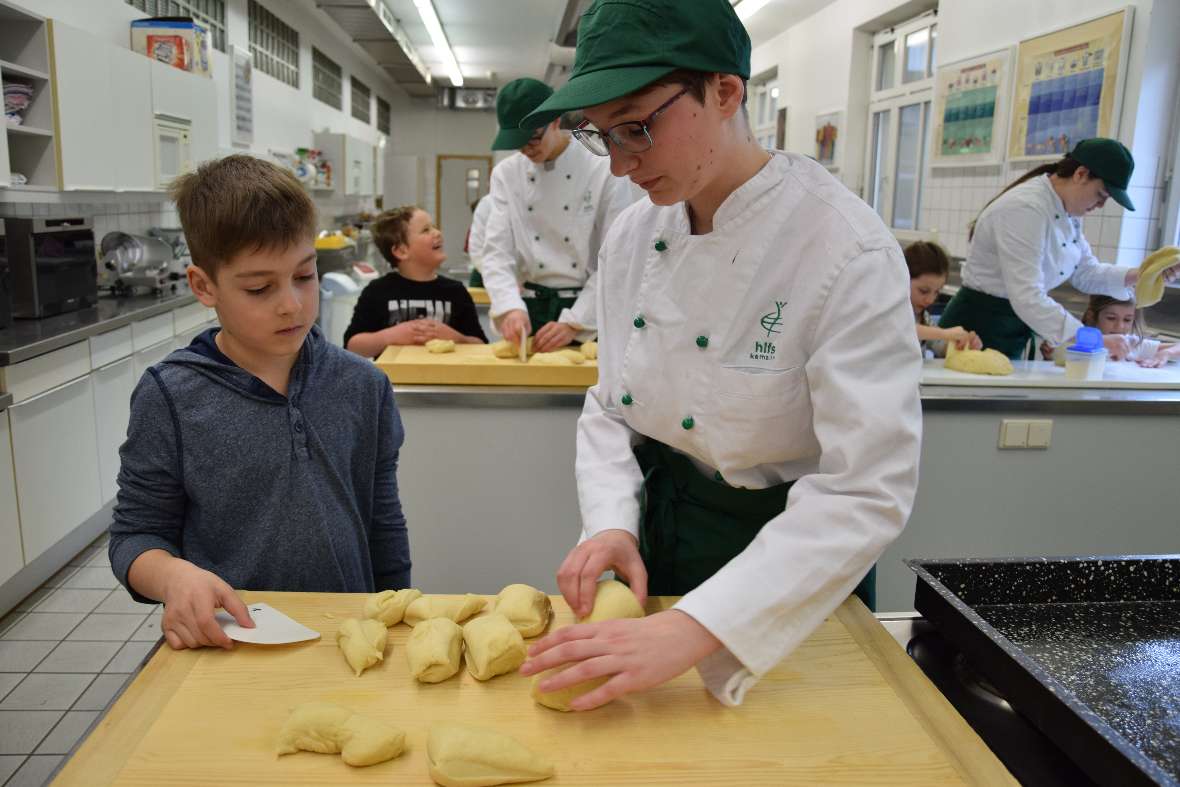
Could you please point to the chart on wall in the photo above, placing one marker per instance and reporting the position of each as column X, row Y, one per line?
column 970, row 109
column 1067, row 87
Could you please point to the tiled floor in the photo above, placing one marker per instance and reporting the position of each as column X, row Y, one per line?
column 65, row 652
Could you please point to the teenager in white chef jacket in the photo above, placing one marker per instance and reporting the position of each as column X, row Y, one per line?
column 757, row 364
column 551, row 205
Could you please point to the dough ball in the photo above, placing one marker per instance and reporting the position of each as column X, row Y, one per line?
column 590, row 350
column 434, row 650
column 362, row 642
column 1149, row 290
column 506, row 349
column 527, row 608
column 494, row 646
column 457, row 608
column 440, row 346
column 612, row 600
column 389, row 606
column 331, row 729
column 573, row 355
column 461, row 755
column 977, row 361
column 551, row 359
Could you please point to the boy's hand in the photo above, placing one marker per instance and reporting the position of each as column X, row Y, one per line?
column 191, row 596
column 554, row 335
column 440, row 330
column 410, row 332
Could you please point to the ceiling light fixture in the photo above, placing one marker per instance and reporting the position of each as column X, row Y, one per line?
column 747, row 8
column 439, row 38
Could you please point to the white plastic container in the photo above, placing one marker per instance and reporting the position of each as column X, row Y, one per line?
column 1085, row 365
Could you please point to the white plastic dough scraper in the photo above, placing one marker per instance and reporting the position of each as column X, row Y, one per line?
column 271, row 627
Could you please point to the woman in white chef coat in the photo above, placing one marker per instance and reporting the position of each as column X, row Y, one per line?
column 752, row 442
column 1028, row 240
column 550, row 206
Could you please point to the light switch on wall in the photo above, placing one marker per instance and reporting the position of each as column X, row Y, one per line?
column 1039, row 433
column 1013, row 434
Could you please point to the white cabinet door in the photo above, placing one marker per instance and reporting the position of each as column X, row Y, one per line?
column 55, row 450
column 151, row 355
column 11, row 552
column 112, row 411
column 360, row 167
column 83, row 91
column 191, row 97
column 131, row 119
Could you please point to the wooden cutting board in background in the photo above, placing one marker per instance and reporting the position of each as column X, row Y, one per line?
column 846, row 708
column 474, row 364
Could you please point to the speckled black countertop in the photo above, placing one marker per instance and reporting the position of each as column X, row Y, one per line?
column 1102, row 634
column 26, row 339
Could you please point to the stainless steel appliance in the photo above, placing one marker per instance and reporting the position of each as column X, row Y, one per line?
column 52, row 267
column 136, row 264
column 5, row 298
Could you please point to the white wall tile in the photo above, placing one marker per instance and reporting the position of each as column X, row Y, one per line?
column 1135, row 233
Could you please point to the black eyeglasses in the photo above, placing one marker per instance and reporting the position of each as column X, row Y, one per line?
column 631, row 137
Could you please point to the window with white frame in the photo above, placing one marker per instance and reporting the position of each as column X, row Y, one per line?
column 327, row 80
column 210, row 13
column 274, row 45
column 899, row 119
column 362, row 98
column 762, row 106
column 382, row 115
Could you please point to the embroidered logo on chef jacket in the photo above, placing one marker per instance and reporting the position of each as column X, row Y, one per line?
column 588, row 201
column 771, row 322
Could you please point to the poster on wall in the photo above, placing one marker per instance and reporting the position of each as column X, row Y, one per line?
column 970, row 110
column 1068, row 87
column 827, row 139
column 241, row 97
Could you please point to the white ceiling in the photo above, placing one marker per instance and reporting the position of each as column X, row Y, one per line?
column 777, row 15
column 507, row 38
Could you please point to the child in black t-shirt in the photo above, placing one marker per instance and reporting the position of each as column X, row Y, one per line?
column 413, row 304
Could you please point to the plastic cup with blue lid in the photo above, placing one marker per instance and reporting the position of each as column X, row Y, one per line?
column 1085, row 359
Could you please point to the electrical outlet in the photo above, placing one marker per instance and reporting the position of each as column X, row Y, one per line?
column 1013, row 434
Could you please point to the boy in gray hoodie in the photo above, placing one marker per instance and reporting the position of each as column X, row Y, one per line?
column 260, row 456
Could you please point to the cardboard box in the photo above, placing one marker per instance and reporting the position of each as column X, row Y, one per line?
column 178, row 41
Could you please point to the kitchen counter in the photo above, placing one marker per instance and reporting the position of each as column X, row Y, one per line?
column 847, row 707
column 26, row 339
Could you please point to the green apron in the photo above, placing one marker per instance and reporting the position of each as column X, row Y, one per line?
column 475, row 279
column 547, row 303
column 693, row 525
column 992, row 318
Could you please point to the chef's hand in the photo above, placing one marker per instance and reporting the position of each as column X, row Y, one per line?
column 191, row 596
column 409, row 332
column 1047, row 350
column 1116, row 345
column 553, row 335
column 514, row 326
column 1170, row 275
column 616, row 550
column 636, row 654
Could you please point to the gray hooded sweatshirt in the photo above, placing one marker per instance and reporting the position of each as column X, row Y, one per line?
column 268, row 492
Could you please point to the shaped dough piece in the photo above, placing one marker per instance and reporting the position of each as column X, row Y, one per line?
column 434, row 650
column 977, row 361
column 494, row 646
column 589, row 350
column 330, row 729
column 612, row 600
column 461, row 755
column 389, row 606
column 362, row 642
column 573, row 355
column 1149, row 290
column 506, row 349
column 457, row 609
column 527, row 608
column 440, row 346
column 551, row 359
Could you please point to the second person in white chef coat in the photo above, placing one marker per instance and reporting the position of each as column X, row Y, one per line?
column 551, row 206
column 752, row 442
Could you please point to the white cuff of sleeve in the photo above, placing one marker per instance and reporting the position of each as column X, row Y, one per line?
column 725, row 677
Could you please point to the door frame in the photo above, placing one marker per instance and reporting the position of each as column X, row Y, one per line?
column 438, row 168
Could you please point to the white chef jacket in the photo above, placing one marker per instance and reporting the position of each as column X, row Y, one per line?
column 809, row 374
column 1025, row 245
column 546, row 226
column 478, row 231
